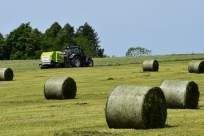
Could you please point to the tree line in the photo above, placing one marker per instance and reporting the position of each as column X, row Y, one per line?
column 25, row 42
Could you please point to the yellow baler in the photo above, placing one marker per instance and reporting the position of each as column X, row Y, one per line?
column 52, row 59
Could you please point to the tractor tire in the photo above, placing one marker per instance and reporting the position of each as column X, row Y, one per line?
column 66, row 63
column 76, row 62
column 90, row 63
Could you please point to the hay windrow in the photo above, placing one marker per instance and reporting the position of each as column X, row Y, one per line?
column 6, row 74
column 60, row 88
column 150, row 65
column 180, row 94
column 196, row 66
column 137, row 107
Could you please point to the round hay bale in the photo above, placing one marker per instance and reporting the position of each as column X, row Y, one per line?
column 60, row 88
column 150, row 65
column 180, row 94
column 196, row 66
column 136, row 107
column 6, row 74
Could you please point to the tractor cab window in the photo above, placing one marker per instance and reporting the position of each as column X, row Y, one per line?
column 68, row 51
column 76, row 51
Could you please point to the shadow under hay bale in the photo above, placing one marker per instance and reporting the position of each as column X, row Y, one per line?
column 6, row 74
column 136, row 107
column 196, row 66
column 180, row 94
column 60, row 88
column 150, row 65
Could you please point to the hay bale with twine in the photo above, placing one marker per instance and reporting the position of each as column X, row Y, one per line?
column 136, row 107
column 196, row 66
column 180, row 94
column 150, row 65
column 6, row 74
column 60, row 88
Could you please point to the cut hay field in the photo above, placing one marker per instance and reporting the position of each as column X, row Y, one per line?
column 25, row 111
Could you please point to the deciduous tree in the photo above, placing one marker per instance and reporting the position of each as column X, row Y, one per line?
column 138, row 51
column 86, row 31
column 86, row 45
column 2, row 48
column 50, row 37
column 22, row 42
column 66, row 36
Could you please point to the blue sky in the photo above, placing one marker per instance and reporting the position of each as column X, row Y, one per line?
column 164, row 27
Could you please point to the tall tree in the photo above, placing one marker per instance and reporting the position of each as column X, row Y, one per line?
column 54, row 30
column 66, row 36
column 33, row 45
column 49, row 38
column 86, row 45
column 68, row 30
column 23, row 42
column 86, row 31
column 17, row 41
column 2, row 48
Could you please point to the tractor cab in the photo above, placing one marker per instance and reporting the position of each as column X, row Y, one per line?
column 73, row 50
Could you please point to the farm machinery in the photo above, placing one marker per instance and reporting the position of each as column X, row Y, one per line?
column 73, row 56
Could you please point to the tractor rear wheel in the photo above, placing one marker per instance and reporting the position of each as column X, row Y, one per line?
column 76, row 62
column 90, row 63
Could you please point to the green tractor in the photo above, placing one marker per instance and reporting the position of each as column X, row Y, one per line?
column 73, row 56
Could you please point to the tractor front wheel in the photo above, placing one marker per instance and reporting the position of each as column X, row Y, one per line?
column 76, row 62
column 66, row 63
